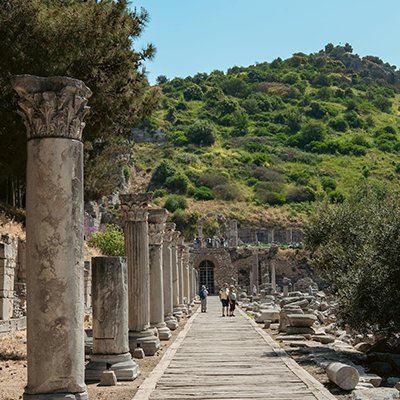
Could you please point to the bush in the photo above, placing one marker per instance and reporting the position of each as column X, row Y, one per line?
column 186, row 223
column 339, row 124
column 110, row 242
column 228, row 192
column 264, row 194
column 328, row 184
column 212, row 179
column 163, row 171
column 201, row 133
column 311, row 132
column 175, row 202
column 177, row 183
column 203, row 193
column 178, row 138
column 193, row 92
column 300, row 194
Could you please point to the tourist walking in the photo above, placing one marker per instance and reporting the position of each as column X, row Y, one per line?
column 224, row 297
column 203, row 297
column 232, row 300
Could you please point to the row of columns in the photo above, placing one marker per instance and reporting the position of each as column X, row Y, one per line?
column 136, row 301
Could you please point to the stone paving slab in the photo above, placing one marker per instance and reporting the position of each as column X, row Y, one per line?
column 228, row 358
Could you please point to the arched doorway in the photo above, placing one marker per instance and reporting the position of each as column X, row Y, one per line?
column 244, row 279
column 206, row 275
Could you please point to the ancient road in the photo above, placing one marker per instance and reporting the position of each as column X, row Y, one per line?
column 228, row 358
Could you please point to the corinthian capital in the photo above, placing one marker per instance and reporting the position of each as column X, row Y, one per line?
column 135, row 206
column 157, row 218
column 52, row 107
column 169, row 231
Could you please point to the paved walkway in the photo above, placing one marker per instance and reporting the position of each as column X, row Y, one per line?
column 228, row 358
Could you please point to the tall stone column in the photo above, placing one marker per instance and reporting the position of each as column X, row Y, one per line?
column 53, row 110
column 136, row 232
column 177, row 307
column 193, row 283
column 110, row 321
column 169, row 319
column 180, row 250
column 157, row 219
column 273, row 275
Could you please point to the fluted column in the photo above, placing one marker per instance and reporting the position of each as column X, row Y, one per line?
column 53, row 110
column 136, row 236
column 186, row 278
column 273, row 275
column 175, row 276
column 193, row 284
column 157, row 219
column 169, row 319
column 110, row 321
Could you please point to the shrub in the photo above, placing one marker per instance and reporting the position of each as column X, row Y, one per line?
column 110, row 242
column 228, row 192
column 265, row 195
column 175, row 202
column 163, row 171
column 311, row 132
column 336, row 197
column 339, row 124
column 328, row 184
column 201, row 133
column 300, row 194
column 178, row 138
column 212, row 179
column 177, row 183
column 203, row 193
column 186, row 223
column 159, row 193
column 193, row 92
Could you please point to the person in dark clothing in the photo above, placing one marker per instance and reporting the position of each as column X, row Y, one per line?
column 203, row 298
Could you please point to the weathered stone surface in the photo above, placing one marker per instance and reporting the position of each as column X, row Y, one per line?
column 108, row 378
column 157, row 219
column 343, row 375
column 374, row 380
column 324, row 339
column 298, row 320
column 53, row 110
column 135, row 208
column 268, row 315
column 138, row 353
column 110, row 321
column 375, row 394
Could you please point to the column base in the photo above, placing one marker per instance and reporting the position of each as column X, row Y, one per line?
column 146, row 340
column 124, row 367
column 164, row 332
column 171, row 322
column 178, row 313
column 56, row 396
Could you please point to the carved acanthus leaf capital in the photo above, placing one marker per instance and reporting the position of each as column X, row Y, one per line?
column 156, row 234
column 52, row 107
column 135, row 206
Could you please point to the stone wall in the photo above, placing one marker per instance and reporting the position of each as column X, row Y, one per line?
column 8, row 260
column 271, row 235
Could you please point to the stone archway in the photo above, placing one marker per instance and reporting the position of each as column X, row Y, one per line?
column 206, row 275
column 244, row 278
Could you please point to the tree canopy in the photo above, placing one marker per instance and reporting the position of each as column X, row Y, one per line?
column 92, row 41
column 356, row 245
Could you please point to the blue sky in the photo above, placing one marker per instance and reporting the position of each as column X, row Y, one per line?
column 203, row 35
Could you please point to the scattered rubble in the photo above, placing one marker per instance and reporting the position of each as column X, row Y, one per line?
column 305, row 321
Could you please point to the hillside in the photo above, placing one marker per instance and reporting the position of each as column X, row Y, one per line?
column 276, row 138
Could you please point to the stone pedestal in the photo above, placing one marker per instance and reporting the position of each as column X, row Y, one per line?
column 157, row 219
column 53, row 110
column 136, row 236
column 110, row 321
column 177, row 306
column 169, row 319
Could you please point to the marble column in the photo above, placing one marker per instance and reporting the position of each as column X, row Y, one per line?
column 135, row 208
column 273, row 276
column 193, row 284
column 110, row 321
column 175, row 276
column 53, row 110
column 186, row 278
column 169, row 319
column 157, row 219
column 180, row 251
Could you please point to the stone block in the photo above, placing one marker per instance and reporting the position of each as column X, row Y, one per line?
column 108, row 378
column 376, row 394
column 298, row 320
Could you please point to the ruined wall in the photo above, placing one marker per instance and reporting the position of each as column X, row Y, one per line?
column 271, row 235
column 8, row 261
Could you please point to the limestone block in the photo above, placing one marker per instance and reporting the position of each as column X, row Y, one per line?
column 108, row 378
column 306, row 320
column 138, row 353
column 268, row 315
column 300, row 330
column 344, row 376
column 376, row 394
column 373, row 379
column 324, row 339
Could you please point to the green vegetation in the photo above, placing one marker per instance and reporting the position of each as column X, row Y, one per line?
column 356, row 245
column 110, row 242
column 286, row 134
